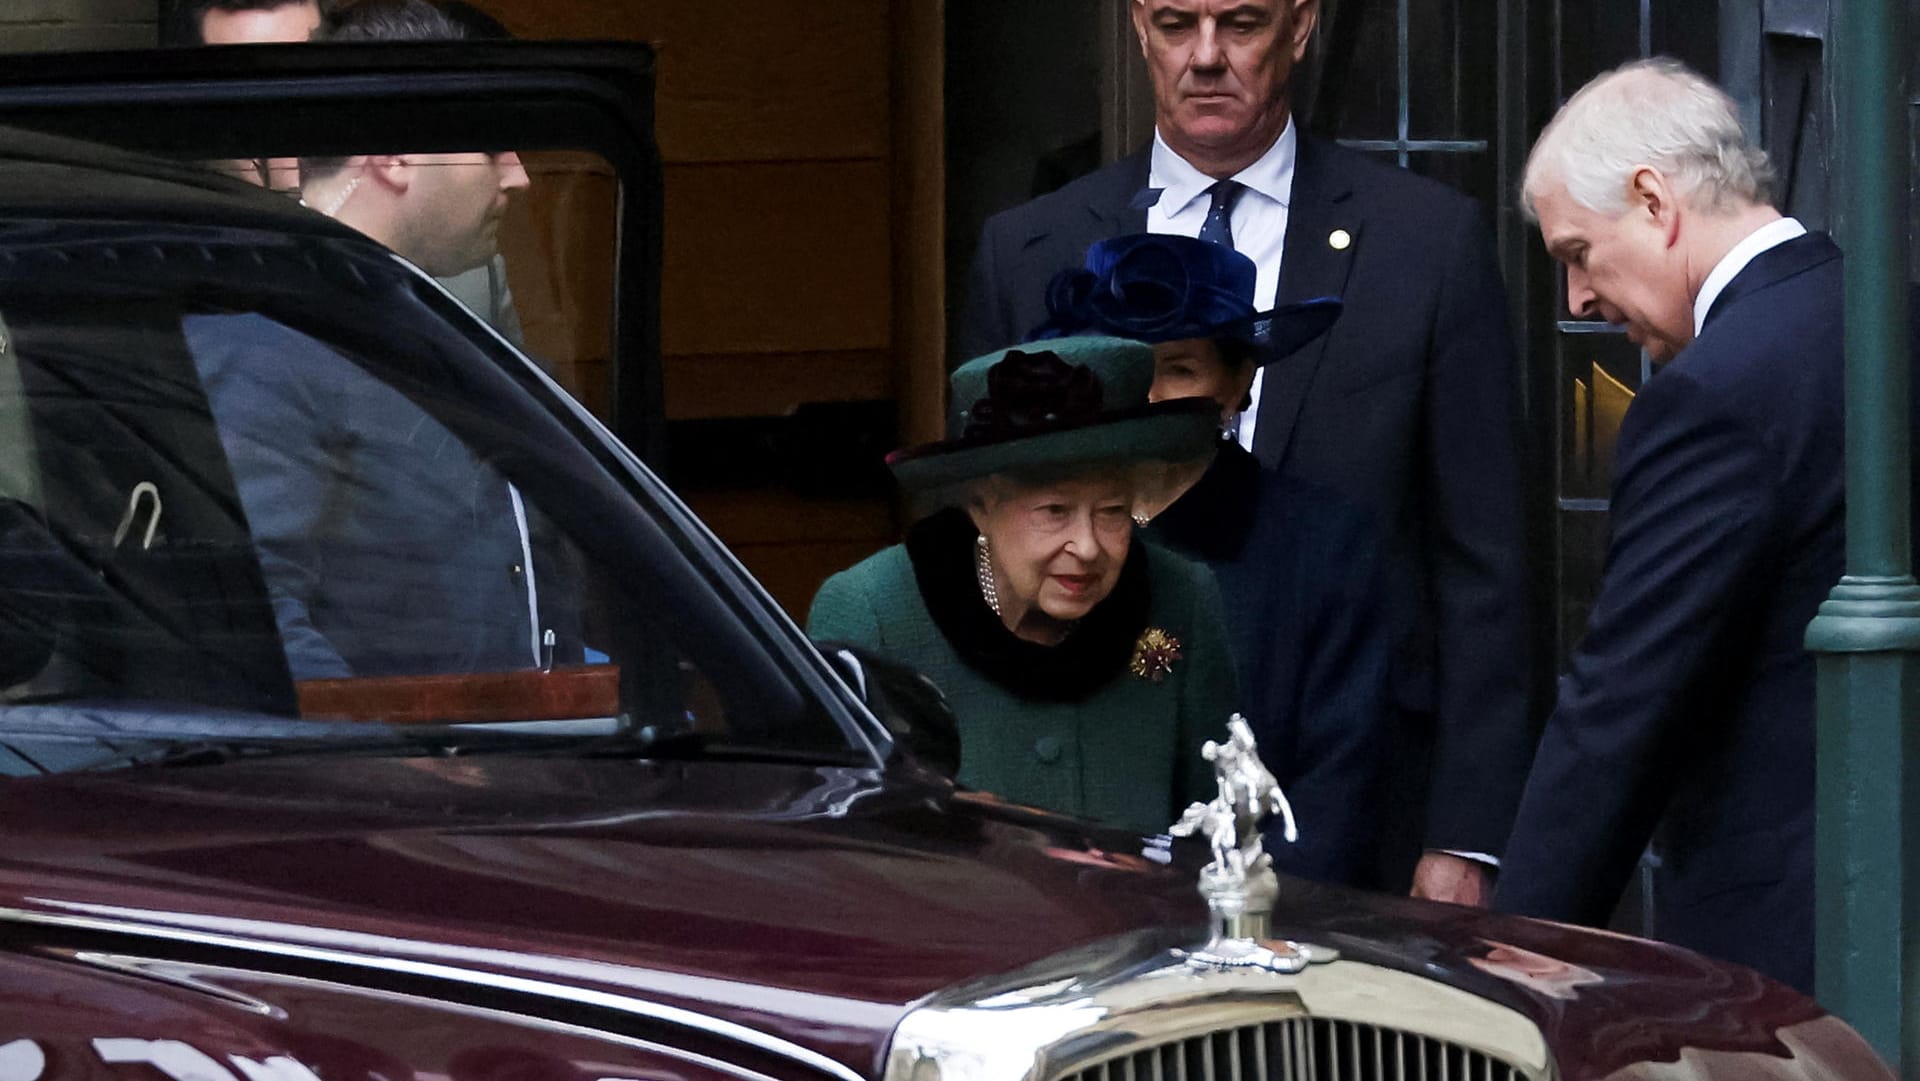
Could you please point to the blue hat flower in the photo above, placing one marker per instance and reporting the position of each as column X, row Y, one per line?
column 1152, row 287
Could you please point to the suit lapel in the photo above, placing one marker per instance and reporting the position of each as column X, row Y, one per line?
column 1110, row 207
column 1117, row 208
column 1310, row 266
column 1770, row 266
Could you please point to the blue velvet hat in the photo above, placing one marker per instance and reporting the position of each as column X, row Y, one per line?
column 1152, row 287
column 1059, row 404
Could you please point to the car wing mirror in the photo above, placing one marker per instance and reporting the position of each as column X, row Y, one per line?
column 912, row 708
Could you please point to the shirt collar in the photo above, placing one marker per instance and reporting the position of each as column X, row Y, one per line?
column 1771, row 235
column 1181, row 183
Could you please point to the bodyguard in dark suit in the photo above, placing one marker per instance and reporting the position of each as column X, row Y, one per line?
column 1405, row 408
column 387, row 546
column 1687, row 715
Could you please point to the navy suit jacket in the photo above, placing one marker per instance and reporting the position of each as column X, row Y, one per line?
column 1299, row 574
column 1690, row 704
column 388, row 548
column 1406, row 408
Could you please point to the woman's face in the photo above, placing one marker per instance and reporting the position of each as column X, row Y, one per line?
column 1056, row 547
column 1193, row 368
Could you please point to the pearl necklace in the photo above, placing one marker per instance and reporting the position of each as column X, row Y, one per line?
column 983, row 571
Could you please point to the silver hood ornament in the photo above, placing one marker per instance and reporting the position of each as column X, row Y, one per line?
column 1240, row 885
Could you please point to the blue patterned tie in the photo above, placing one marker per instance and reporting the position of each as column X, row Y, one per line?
column 1218, row 228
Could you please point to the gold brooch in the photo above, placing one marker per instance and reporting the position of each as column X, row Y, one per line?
column 1154, row 654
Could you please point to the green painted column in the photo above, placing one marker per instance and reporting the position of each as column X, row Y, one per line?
column 1867, row 635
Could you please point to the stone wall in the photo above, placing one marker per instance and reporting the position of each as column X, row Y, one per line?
column 28, row 26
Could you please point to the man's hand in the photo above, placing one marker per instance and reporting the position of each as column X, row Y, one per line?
column 1442, row 876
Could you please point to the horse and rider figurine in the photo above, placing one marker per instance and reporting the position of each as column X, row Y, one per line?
column 1248, row 793
column 1240, row 885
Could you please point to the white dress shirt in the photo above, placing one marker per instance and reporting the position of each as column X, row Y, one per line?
column 1259, row 219
column 1771, row 235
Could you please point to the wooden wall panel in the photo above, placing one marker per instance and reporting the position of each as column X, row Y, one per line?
column 558, row 240
column 919, row 168
column 772, row 384
column 792, row 572
column 778, row 517
column 748, row 80
column 788, row 257
column 791, row 544
column 801, row 262
column 32, row 26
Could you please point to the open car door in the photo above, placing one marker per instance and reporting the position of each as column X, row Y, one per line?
column 152, row 395
column 577, row 281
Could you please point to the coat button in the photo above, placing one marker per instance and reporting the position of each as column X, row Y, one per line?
column 1047, row 749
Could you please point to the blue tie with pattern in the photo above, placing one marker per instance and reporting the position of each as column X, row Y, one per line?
column 1218, row 228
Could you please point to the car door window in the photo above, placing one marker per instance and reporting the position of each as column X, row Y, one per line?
column 288, row 476
column 575, row 280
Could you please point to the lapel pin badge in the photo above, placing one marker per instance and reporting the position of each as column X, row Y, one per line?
column 1339, row 240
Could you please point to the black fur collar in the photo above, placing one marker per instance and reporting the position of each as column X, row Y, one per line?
column 1097, row 651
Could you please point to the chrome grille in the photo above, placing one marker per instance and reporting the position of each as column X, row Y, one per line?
column 1303, row 1049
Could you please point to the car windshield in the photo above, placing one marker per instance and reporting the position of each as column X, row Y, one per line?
column 266, row 491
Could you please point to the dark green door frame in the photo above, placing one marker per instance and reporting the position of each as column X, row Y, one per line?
column 1867, row 634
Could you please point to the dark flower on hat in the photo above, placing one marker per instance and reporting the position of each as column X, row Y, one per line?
column 1158, row 285
column 1030, row 391
column 1068, row 312
column 1152, row 288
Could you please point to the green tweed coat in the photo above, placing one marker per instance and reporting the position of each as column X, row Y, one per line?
column 1125, row 751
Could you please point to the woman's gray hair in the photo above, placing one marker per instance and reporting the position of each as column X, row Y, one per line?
column 1010, row 483
column 1657, row 113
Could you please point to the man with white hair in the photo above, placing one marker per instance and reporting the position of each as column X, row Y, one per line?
column 1687, row 715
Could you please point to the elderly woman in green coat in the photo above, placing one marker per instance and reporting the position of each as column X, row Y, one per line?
column 1084, row 665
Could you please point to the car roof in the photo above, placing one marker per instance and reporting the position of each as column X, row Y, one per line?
column 49, row 177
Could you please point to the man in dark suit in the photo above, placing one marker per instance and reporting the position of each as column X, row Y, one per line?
column 388, row 547
column 1406, row 408
column 1687, row 715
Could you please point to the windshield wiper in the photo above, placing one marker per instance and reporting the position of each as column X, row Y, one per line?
column 411, row 743
column 209, row 752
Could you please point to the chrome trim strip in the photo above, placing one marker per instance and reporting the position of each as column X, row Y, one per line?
column 168, row 972
column 204, row 974
column 651, row 1011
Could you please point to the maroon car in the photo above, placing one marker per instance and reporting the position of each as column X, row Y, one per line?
column 367, row 711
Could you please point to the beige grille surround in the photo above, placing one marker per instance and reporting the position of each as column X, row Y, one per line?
column 1134, row 1009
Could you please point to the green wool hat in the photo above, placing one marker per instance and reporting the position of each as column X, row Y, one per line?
column 1056, row 405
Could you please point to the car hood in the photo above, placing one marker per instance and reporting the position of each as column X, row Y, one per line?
column 814, row 904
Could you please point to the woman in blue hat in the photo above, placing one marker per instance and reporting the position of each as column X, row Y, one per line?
column 1298, row 567
column 1084, row 668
